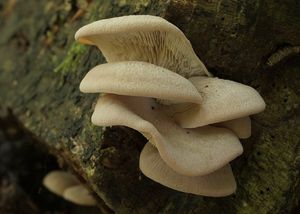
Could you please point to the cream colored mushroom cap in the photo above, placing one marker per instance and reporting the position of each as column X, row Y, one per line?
column 79, row 195
column 222, row 100
column 190, row 152
column 241, row 126
column 139, row 79
column 217, row 184
column 58, row 181
column 143, row 38
column 123, row 25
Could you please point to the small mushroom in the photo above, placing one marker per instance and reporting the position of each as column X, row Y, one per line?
column 222, row 100
column 143, row 38
column 241, row 126
column 58, row 181
column 139, row 79
column 79, row 195
column 217, row 184
column 191, row 152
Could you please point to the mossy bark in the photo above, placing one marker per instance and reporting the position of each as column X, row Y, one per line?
column 41, row 68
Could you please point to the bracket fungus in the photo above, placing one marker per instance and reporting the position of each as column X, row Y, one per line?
column 79, row 195
column 241, row 100
column 155, row 83
column 143, row 38
column 58, row 181
column 216, row 184
column 191, row 152
column 66, row 185
column 139, row 79
column 241, row 126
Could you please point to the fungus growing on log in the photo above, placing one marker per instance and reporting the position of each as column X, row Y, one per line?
column 143, row 38
column 241, row 126
column 79, row 195
column 139, row 79
column 191, row 152
column 223, row 100
column 216, row 184
column 66, row 185
column 192, row 125
column 58, row 181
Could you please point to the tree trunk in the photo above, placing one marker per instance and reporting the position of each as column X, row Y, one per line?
column 41, row 68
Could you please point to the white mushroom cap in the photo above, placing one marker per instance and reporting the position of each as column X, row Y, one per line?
column 79, row 195
column 241, row 126
column 139, row 79
column 190, row 152
column 58, row 181
column 222, row 100
column 217, row 184
column 143, row 38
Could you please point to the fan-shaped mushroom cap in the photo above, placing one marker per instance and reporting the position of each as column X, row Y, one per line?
column 241, row 126
column 143, row 38
column 190, row 152
column 58, row 181
column 79, row 195
column 222, row 100
column 217, row 184
column 139, row 79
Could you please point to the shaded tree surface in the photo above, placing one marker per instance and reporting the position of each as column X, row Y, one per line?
column 41, row 68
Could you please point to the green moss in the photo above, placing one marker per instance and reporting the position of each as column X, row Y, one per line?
column 76, row 51
column 72, row 60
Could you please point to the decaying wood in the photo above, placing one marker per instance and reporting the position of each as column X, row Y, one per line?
column 41, row 67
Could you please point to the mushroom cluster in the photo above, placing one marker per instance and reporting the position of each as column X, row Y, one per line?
column 66, row 185
column 154, row 83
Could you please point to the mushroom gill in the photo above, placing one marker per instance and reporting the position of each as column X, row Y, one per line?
column 143, row 38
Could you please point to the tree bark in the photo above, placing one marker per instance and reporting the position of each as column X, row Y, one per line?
column 41, row 68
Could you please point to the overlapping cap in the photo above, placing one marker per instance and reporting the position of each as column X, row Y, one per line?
column 222, row 100
column 135, row 78
column 148, row 57
column 216, row 184
column 191, row 152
